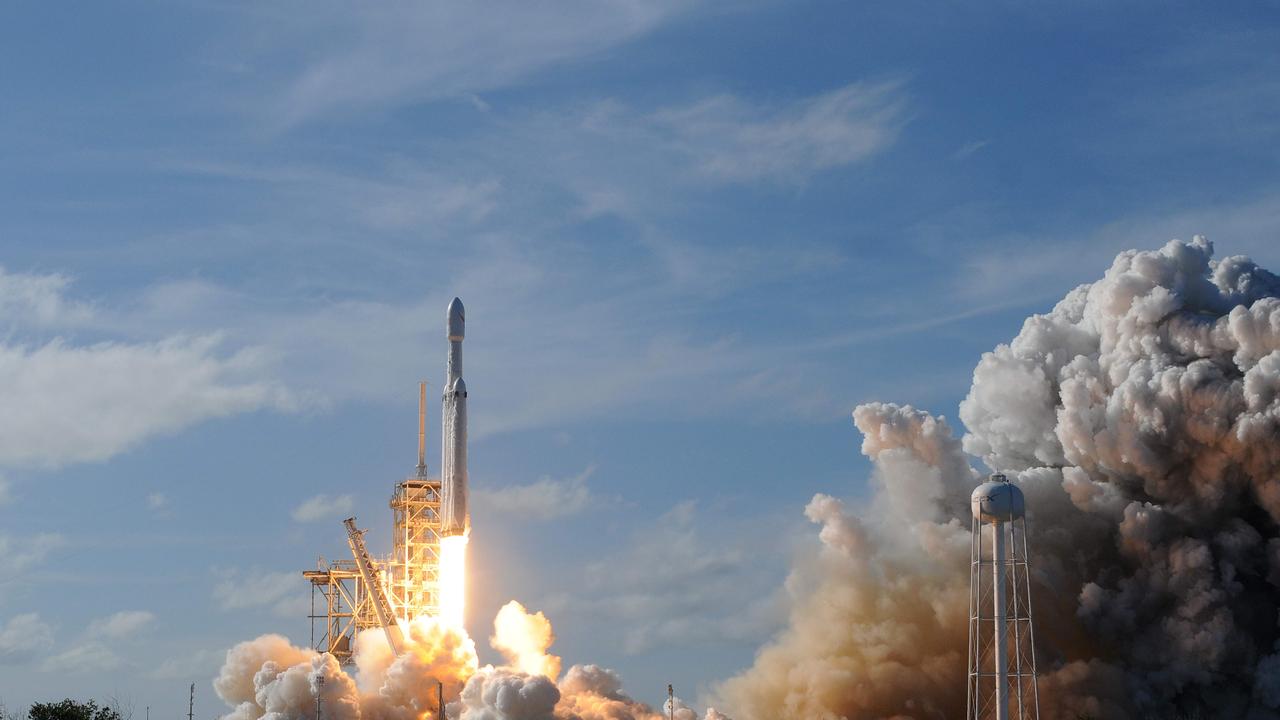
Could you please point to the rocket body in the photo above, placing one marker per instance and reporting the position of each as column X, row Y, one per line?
column 455, row 519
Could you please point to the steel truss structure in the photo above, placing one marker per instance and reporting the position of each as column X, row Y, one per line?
column 1001, row 685
column 409, row 577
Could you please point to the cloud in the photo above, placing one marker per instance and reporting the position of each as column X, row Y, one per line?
column 23, row 553
column 321, row 507
column 370, row 57
column 396, row 197
column 734, row 140
column 121, row 625
column 719, row 593
column 969, row 148
column 24, row 637
column 91, row 656
column 38, row 300
column 282, row 592
column 1043, row 265
column 544, row 499
column 67, row 404
column 199, row 663
column 6, row 494
column 157, row 501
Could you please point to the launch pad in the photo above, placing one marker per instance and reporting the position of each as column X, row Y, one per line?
column 408, row 581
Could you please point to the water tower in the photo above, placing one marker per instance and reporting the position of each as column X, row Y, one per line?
column 1002, row 657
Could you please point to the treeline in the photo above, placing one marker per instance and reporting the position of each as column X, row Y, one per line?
column 67, row 710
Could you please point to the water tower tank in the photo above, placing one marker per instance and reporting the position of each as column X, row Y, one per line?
column 997, row 500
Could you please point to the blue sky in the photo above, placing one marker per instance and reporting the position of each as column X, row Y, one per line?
column 691, row 236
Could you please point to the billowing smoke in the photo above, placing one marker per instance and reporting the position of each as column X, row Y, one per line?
column 524, row 640
column 269, row 679
column 1141, row 417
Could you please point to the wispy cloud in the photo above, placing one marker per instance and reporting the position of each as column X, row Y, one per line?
column 363, row 57
column 969, row 148
column 282, row 592
column 121, row 625
column 1028, row 265
column 18, row 554
column 69, row 402
column 734, row 140
column 203, row 662
column 671, row 585
column 78, row 403
column 543, row 499
column 24, row 637
column 320, row 507
column 40, row 300
column 87, row 657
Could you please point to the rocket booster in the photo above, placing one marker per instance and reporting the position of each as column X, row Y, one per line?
column 454, row 517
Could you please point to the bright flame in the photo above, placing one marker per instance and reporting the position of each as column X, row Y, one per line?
column 453, row 580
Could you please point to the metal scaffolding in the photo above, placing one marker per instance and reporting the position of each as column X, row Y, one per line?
column 409, row 577
column 415, row 572
column 346, row 611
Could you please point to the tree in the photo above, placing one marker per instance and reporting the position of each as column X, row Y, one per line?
column 71, row 710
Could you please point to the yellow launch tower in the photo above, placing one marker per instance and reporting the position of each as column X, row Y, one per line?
column 409, row 577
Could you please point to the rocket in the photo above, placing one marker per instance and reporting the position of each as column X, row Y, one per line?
column 454, row 517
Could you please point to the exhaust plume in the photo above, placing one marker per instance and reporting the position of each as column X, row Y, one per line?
column 1141, row 417
column 524, row 639
column 268, row 678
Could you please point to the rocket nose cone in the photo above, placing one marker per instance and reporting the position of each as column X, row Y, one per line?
column 457, row 320
column 460, row 387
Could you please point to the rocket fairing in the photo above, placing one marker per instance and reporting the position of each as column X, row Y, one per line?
column 454, row 517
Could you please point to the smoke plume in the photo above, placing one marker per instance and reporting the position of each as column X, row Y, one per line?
column 269, row 679
column 1141, row 417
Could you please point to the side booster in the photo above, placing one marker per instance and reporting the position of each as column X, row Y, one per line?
column 455, row 520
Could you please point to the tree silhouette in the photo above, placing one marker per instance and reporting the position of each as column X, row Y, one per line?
column 69, row 709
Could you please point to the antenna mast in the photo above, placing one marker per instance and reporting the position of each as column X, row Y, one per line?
column 191, row 703
column 422, row 429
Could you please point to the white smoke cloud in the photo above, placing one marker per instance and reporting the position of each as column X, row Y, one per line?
column 269, row 678
column 505, row 694
column 1141, row 416
column 524, row 638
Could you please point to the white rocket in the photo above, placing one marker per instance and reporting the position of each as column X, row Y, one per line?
column 454, row 518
